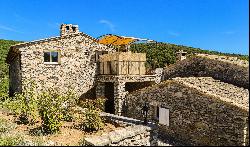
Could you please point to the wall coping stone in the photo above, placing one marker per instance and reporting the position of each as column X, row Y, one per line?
column 134, row 127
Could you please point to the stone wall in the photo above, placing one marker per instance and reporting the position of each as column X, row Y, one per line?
column 205, row 67
column 133, row 133
column 15, row 76
column 196, row 117
column 76, row 69
column 128, row 136
column 120, row 86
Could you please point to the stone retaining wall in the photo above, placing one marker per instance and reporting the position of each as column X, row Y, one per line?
column 205, row 67
column 196, row 117
column 133, row 134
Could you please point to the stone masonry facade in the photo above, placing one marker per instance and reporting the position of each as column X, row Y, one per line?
column 119, row 86
column 76, row 69
column 202, row 110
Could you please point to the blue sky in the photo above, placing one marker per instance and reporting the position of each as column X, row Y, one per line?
column 221, row 25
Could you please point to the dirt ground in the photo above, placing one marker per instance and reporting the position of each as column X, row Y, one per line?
column 68, row 135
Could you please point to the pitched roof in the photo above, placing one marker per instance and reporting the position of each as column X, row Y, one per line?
column 14, row 49
column 53, row 38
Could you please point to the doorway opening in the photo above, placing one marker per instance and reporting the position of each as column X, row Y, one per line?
column 109, row 94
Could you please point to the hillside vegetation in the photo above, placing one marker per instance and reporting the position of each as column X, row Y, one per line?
column 160, row 54
column 4, row 72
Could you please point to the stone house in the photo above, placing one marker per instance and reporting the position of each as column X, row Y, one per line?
column 202, row 101
column 65, row 61
column 76, row 60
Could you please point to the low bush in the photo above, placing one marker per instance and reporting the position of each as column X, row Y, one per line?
column 6, row 126
column 54, row 107
column 92, row 120
column 24, row 104
column 11, row 141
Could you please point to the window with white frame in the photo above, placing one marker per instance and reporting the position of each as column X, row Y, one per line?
column 51, row 57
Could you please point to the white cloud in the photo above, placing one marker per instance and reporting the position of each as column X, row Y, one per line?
column 22, row 19
column 175, row 34
column 53, row 25
column 109, row 24
column 229, row 32
column 6, row 28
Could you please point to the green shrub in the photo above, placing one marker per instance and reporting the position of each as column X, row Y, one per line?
column 24, row 104
column 93, row 104
column 4, row 86
column 92, row 119
column 6, row 126
column 54, row 107
column 11, row 140
column 100, row 103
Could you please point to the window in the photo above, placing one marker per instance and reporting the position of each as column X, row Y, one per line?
column 164, row 116
column 51, row 57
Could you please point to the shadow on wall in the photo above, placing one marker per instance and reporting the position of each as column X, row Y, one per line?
column 133, row 86
column 90, row 94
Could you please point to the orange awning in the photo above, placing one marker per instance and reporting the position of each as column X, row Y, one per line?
column 116, row 40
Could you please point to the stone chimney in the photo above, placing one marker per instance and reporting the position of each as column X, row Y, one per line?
column 67, row 29
column 181, row 55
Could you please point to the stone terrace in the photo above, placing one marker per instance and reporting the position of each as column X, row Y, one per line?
column 227, row 92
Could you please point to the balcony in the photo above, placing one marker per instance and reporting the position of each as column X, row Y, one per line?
column 122, row 63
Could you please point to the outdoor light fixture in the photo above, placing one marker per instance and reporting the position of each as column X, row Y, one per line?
column 145, row 109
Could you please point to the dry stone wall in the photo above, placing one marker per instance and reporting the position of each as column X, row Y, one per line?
column 196, row 117
column 76, row 69
column 133, row 133
column 205, row 67
column 136, row 135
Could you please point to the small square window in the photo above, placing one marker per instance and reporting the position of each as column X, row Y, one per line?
column 51, row 57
